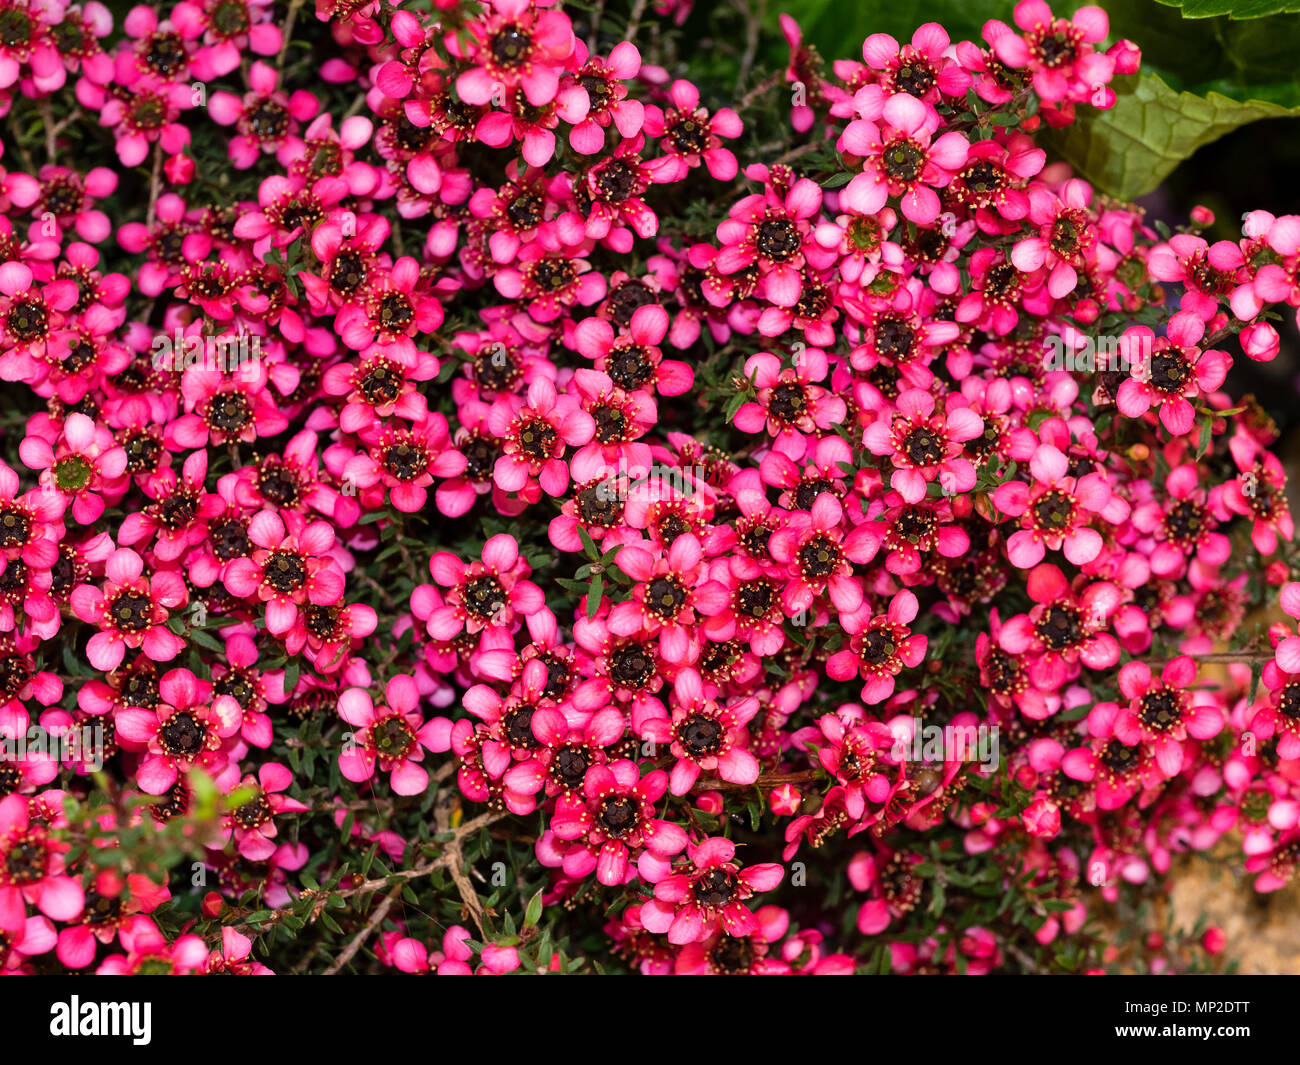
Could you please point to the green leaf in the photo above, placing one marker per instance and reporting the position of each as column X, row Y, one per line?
column 1202, row 445
column 1237, row 9
column 533, row 913
column 593, row 595
column 1128, row 150
column 291, row 670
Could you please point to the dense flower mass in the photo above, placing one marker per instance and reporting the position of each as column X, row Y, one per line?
column 474, row 460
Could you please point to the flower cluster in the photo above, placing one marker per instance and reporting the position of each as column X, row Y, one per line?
column 477, row 437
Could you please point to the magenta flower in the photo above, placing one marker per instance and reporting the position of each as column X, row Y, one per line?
column 1174, row 371
column 291, row 566
column 184, row 729
column 693, row 900
column 32, row 871
column 899, row 158
column 390, row 738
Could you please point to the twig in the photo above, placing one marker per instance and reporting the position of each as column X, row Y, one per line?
column 47, row 120
column 795, row 153
column 769, row 780
column 769, row 82
column 755, row 18
column 1245, row 657
column 155, row 184
column 381, row 911
column 294, row 5
column 595, row 25
column 638, row 9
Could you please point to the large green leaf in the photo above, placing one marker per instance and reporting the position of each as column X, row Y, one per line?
column 1238, row 9
column 838, row 27
column 1247, row 60
column 1128, row 150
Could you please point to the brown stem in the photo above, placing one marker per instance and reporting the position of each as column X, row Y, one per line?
column 768, row 780
column 155, row 183
column 381, row 911
column 638, row 9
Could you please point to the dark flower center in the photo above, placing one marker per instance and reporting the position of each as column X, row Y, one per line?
column 665, row 597
column 777, row 239
column 525, row 211
column 1059, row 627
column 1054, row 510
column 255, row 812
column 518, row 726
column 406, row 461
column 903, row 161
column 690, row 134
column 715, row 888
column 537, row 439
column 27, row 320
column 349, row 272
column 611, row 424
column 700, row 735
column 395, row 312
column 131, row 612
column 787, row 402
column 570, row 766
column 182, row 736
column 481, row 457
column 629, row 367
column 755, row 598
column 392, row 737
column 178, row 509
column 598, row 505
column 1186, row 521
column 1119, row 758
column 631, row 666
column 732, row 956
column 229, row 539
column 484, row 596
column 165, row 55
column 269, row 120
column 551, row 275
column 15, row 527
column 878, row 647
column 615, row 181
column 229, row 412
column 819, row 557
column 1161, row 710
column 808, row 491
column 1056, row 49
column 511, row 46
column 923, row 447
column 983, row 178
column 619, row 816
column 915, row 78
column 285, row 571
column 322, row 621
column 142, row 452
column 26, row 861
column 1169, row 372
column 894, row 339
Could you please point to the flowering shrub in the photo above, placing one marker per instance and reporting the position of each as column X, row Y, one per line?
column 472, row 502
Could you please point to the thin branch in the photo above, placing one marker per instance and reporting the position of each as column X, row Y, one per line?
column 155, row 183
column 294, row 5
column 638, row 9
column 595, row 26
column 381, row 911
column 754, row 20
